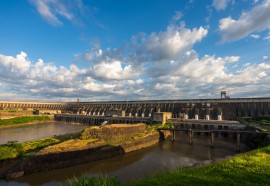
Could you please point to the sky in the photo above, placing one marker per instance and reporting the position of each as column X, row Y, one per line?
column 110, row 50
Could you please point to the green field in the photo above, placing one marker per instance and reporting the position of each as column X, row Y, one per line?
column 23, row 120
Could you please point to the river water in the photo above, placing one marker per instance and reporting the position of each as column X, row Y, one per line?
column 37, row 131
column 135, row 165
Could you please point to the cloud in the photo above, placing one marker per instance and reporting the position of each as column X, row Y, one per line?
column 255, row 20
column 267, row 37
column 265, row 58
column 149, row 49
column 169, row 44
column 207, row 76
column 39, row 80
column 255, row 36
column 113, row 71
column 177, row 16
column 220, row 4
column 255, row 1
column 54, row 11
column 111, row 80
column 159, row 65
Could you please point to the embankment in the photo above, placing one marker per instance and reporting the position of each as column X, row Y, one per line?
column 19, row 167
column 96, row 143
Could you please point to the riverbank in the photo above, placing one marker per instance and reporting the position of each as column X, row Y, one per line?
column 94, row 143
column 24, row 120
column 250, row 168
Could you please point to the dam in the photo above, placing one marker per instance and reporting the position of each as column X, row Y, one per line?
column 208, row 118
column 206, row 109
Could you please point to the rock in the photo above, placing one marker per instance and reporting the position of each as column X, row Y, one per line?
column 197, row 164
column 15, row 174
column 206, row 162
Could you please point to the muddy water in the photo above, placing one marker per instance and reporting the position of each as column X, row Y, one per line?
column 135, row 165
column 37, row 131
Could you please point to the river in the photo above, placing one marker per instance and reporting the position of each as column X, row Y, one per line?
column 135, row 165
column 37, row 131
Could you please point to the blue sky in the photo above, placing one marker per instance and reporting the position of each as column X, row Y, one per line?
column 54, row 50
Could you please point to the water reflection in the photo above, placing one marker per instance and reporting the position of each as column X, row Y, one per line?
column 37, row 131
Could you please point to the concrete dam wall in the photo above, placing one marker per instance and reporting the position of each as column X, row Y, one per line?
column 216, row 109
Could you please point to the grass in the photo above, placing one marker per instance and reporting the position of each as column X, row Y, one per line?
column 84, row 181
column 251, row 168
column 265, row 122
column 10, row 150
column 12, row 110
column 23, row 120
column 14, row 149
column 168, row 125
column 65, row 137
column 262, row 120
column 71, row 145
column 120, row 139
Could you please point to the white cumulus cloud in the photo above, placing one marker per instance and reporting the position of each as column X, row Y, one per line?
column 255, row 20
column 159, row 65
column 113, row 71
column 169, row 44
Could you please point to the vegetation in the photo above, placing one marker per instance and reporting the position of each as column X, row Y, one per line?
column 23, row 120
column 10, row 150
column 65, row 137
column 110, row 138
column 12, row 110
column 122, row 139
column 15, row 149
column 168, row 125
column 84, row 181
column 257, row 119
column 265, row 122
column 251, row 168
